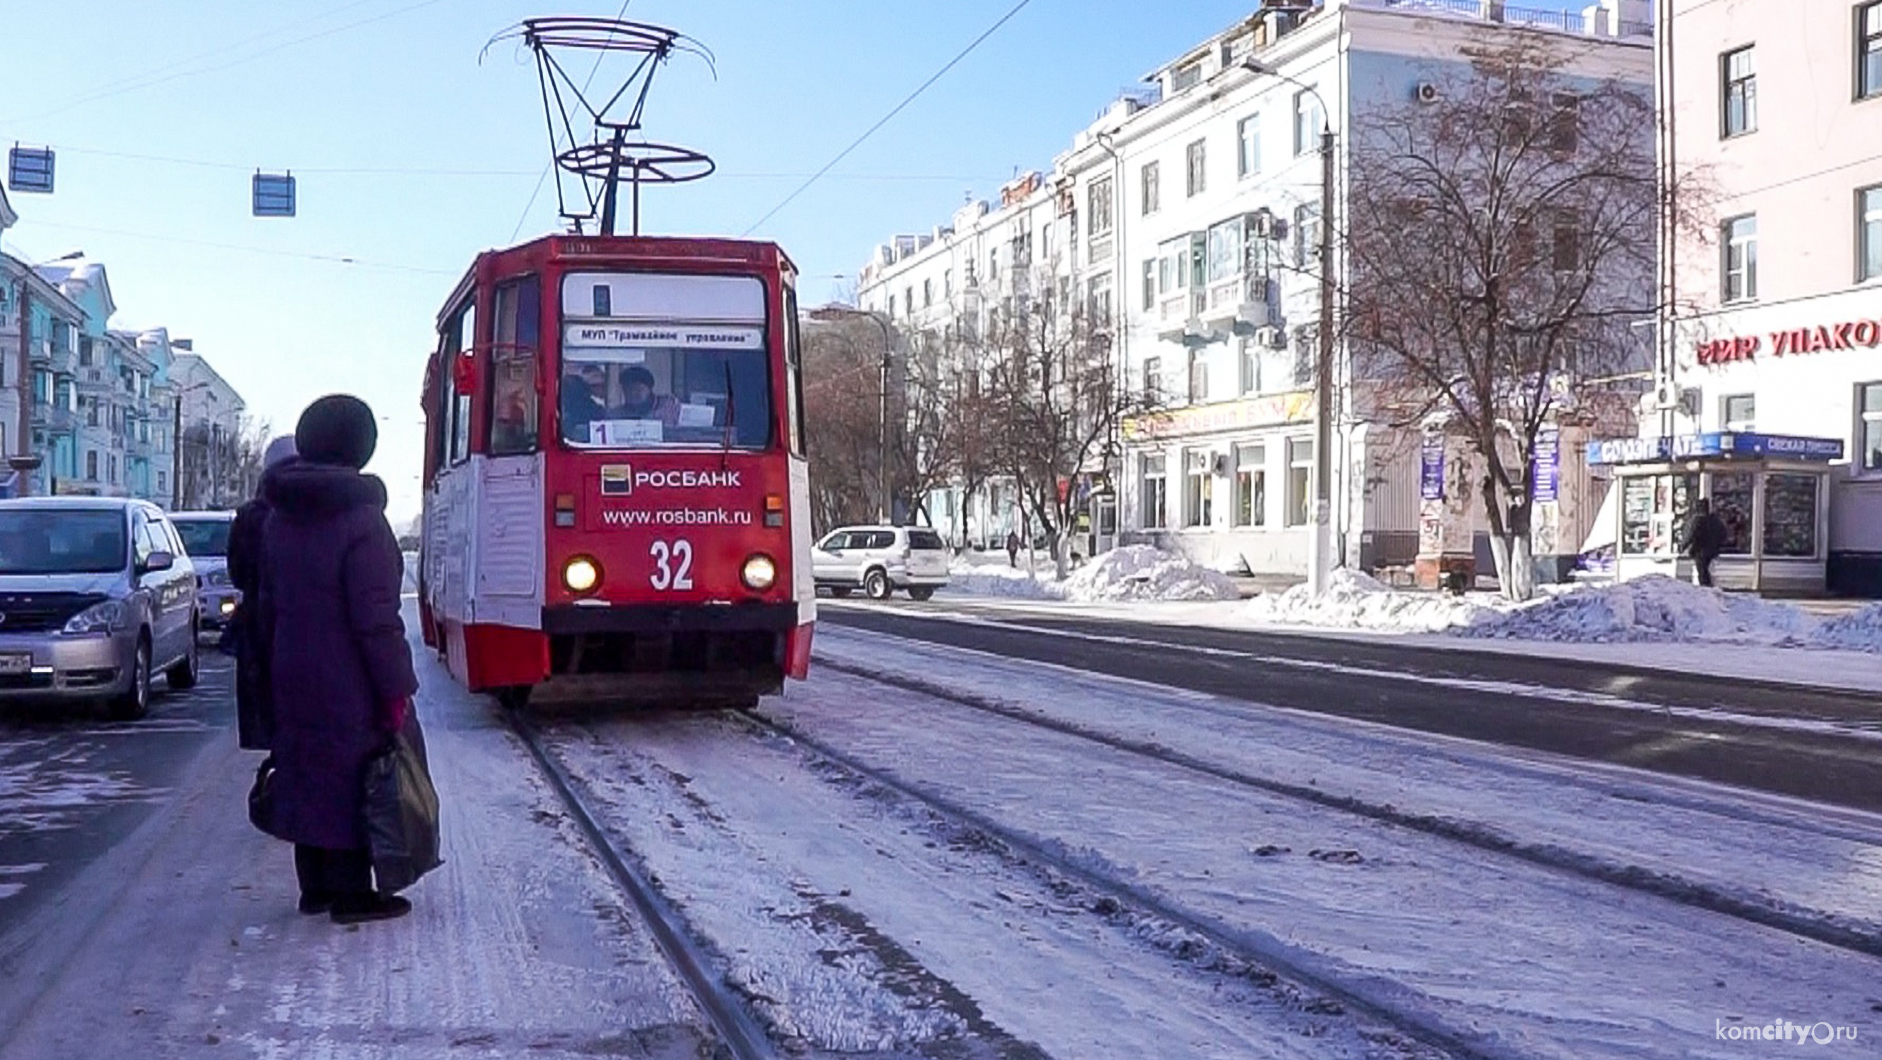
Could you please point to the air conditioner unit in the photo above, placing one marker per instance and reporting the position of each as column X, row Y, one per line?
column 1273, row 338
column 1668, row 397
column 1425, row 92
column 1220, row 463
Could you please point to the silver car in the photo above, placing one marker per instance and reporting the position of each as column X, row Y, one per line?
column 206, row 539
column 879, row 560
column 96, row 594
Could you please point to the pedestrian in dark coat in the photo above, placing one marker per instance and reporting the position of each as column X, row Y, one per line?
column 1012, row 548
column 247, row 633
column 342, row 674
column 1705, row 540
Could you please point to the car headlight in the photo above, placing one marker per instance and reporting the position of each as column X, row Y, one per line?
column 581, row 574
column 98, row 618
column 759, row 572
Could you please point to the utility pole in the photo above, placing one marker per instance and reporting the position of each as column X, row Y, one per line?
column 1320, row 551
column 25, row 382
column 176, row 456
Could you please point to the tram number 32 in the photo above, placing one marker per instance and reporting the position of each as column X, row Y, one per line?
column 672, row 565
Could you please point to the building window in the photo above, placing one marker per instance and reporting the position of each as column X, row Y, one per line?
column 927, row 293
column 993, row 265
column 1870, row 431
column 1250, row 367
column 1099, row 206
column 1299, row 481
column 1251, row 485
column 1306, row 354
column 908, row 299
column 1198, row 376
column 1153, row 380
column 1098, row 300
column 1308, row 121
column 1153, row 188
column 1869, row 50
column 891, row 307
column 1567, row 242
column 163, row 483
column 1224, row 251
column 1248, row 146
column 1737, row 412
column 1198, row 170
column 1869, row 233
column 91, row 465
column 1154, row 493
column 111, row 464
column 1150, row 284
column 1739, row 236
column 947, row 283
column 1187, row 76
column 1739, row 93
column 1306, row 234
column 1196, row 488
column 1565, row 125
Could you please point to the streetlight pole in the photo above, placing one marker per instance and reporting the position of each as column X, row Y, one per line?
column 1320, row 546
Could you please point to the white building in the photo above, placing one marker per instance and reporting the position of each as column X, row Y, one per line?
column 1193, row 211
column 1780, row 323
column 210, row 418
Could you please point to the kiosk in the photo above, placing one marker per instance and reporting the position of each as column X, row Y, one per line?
column 1771, row 491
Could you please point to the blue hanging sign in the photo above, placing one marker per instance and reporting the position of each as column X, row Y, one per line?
column 1547, row 472
column 274, row 195
column 1431, row 470
column 30, row 169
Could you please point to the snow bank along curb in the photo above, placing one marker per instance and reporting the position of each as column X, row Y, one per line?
column 1645, row 610
column 1134, row 572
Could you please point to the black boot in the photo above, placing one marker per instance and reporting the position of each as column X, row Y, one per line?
column 359, row 908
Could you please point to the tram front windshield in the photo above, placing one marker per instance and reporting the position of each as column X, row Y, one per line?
column 712, row 388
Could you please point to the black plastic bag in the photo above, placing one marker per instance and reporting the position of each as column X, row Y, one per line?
column 401, row 812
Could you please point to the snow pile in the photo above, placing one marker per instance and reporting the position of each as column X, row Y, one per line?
column 1141, row 572
column 988, row 579
column 1355, row 600
column 1655, row 608
column 1857, row 631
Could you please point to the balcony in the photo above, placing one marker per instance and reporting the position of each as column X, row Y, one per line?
column 42, row 351
column 56, row 420
column 1240, row 304
column 1182, row 320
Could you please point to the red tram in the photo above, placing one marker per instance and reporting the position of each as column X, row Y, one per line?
column 616, row 495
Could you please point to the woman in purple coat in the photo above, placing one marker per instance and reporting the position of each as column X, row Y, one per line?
column 341, row 670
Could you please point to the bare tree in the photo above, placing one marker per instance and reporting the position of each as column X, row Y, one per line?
column 842, row 365
column 1502, row 242
column 1057, row 400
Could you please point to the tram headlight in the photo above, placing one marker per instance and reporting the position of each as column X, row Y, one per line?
column 759, row 572
column 581, row 574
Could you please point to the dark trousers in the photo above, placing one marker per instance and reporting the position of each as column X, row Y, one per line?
column 328, row 874
column 1702, row 566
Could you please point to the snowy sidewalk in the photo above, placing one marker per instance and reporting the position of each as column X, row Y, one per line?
column 185, row 941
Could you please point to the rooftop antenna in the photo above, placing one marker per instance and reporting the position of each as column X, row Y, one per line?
column 602, row 145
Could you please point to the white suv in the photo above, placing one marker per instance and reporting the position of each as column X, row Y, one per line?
column 879, row 560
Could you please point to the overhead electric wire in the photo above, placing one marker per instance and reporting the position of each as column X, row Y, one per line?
column 334, row 259
column 886, row 118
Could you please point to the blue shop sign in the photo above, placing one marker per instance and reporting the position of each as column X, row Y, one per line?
column 1718, row 444
column 1547, row 472
column 1431, row 468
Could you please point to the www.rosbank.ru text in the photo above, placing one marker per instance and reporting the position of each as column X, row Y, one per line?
column 676, row 517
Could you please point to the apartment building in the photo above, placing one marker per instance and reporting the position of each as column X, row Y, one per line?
column 1189, row 214
column 1777, row 105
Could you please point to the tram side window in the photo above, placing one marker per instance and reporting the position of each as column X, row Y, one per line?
column 794, row 385
column 515, row 413
column 462, row 343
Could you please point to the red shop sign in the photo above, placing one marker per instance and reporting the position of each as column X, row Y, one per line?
column 1845, row 336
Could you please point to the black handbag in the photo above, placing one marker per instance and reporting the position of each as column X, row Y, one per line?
column 401, row 809
column 261, row 798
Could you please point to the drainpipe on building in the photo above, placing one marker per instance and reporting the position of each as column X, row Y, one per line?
column 25, row 381
column 1120, row 292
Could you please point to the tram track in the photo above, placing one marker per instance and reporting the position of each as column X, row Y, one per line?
column 1821, row 928
column 723, row 1007
column 1252, row 947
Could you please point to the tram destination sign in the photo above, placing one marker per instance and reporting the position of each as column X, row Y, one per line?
column 686, row 336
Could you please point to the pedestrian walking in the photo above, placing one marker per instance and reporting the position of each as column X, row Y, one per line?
column 1705, row 540
column 341, row 671
column 1012, row 548
column 247, row 635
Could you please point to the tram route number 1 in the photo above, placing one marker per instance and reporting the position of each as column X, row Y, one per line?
column 672, row 565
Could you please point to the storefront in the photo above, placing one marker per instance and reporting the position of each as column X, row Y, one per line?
column 1771, row 491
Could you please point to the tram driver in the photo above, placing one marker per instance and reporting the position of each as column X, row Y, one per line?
column 641, row 403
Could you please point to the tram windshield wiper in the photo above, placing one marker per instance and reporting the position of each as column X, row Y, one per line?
column 731, row 417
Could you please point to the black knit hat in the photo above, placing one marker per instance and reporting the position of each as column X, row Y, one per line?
column 337, row 429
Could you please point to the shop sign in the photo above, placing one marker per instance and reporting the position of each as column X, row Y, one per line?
column 1848, row 335
column 1725, row 444
column 1293, row 407
column 1547, row 472
column 1431, row 469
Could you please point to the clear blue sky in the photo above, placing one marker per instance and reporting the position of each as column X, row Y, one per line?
column 235, row 85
